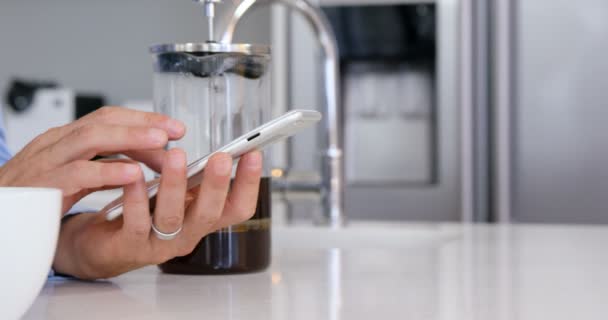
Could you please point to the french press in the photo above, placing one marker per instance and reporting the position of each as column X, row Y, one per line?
column 220, row 91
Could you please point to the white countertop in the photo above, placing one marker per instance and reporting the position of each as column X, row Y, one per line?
column 371, row 271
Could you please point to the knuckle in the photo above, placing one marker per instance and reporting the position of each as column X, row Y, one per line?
column 88, row 136
column 131, row 134
column 136, row 203
column 172, row 222
column 206, row 222
column 209, row 218
column 38, row 140
column 151, row 118
column 51, row 132
column 141, row 231
column 51, row 148
column 135, row 132
column 219, row 185
column 79, row 166
column 42, row 137
column 105, row 112
column 82, row 132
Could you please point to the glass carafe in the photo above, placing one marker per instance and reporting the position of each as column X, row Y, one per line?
column 220, row 91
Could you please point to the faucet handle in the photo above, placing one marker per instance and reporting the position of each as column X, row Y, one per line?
column 210, row 14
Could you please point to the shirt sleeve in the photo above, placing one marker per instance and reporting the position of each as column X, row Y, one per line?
column 5, row 154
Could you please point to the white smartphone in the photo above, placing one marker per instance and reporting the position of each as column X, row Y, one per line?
column 269, row 133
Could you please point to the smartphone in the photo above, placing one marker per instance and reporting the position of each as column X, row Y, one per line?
column 267, row 134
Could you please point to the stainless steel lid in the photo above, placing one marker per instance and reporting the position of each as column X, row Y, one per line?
column 211, row 47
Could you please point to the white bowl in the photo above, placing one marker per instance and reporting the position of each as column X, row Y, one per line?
column 29, row 229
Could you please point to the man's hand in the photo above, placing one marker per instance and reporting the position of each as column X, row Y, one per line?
column 91, row 248
column 60, row 158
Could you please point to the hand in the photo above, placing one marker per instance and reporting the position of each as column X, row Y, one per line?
column 60, row 158
column 92, row 248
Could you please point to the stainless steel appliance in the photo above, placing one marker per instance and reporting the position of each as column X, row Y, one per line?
column 389, row 172
column 505, row 122
column 549, row 96
column 402, row 80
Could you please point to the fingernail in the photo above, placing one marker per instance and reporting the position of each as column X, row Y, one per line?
column 131, row 170
column 157, row 136
column 254, row 160
column 223, row 166
column 176, row 128
column 177, row 159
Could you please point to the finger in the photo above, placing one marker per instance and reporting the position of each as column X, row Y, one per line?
column 206, row 210
column 116, row 160
column 151, row 158
column 86, row 142
column 128, row 117
column 110, row 116
column 136, row 213
column 83, row 175
column 169, row 211
column 70, row 201
column 43, row 140
column 242, row 201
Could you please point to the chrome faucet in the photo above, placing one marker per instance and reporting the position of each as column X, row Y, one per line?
column 331, row 186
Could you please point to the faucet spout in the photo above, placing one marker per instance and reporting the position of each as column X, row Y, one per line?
column 332, row 162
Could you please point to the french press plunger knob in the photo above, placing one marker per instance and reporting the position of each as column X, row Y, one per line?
column 210, row 14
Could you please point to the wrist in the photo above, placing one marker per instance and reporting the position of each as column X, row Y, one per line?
column 68, row 260
column 3, row 178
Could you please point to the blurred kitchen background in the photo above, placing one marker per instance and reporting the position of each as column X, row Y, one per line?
column 454, row 110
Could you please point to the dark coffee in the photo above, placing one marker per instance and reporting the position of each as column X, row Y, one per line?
column 238, row 249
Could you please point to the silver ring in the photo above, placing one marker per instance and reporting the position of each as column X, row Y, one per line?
column 165, row 236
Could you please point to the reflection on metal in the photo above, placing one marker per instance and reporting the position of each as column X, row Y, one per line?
column 505, row 280
column 332, row 163
column 210, row 14
column 474, row 101
column 335, row 284
column 277, row 173
column 208, row 47
column 503, row 102
column 467, row 113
